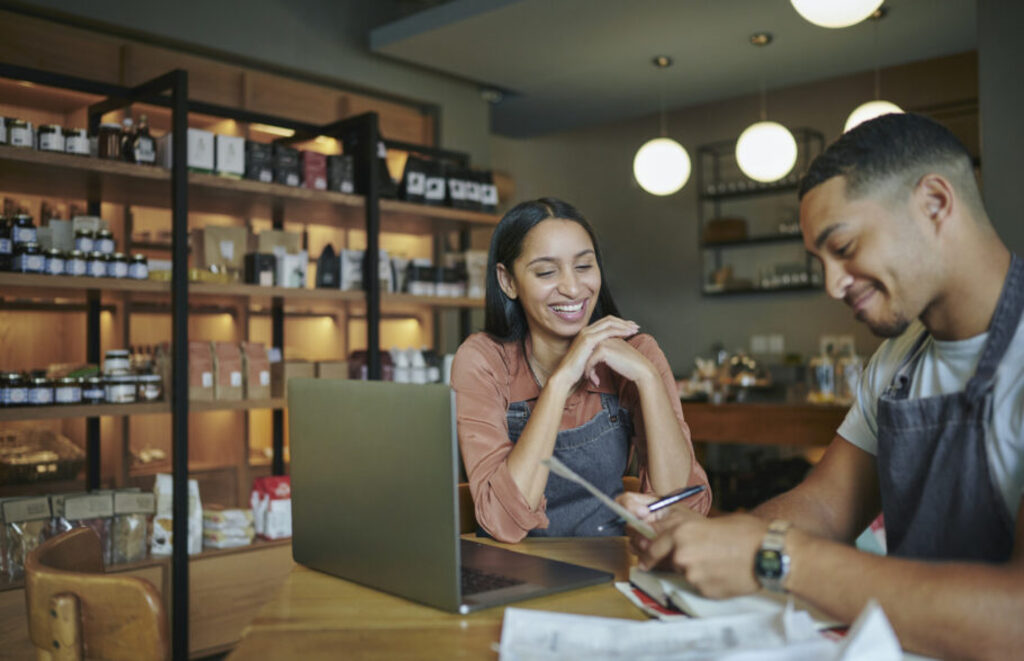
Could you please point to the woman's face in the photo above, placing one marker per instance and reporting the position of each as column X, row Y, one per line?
column 555, row 278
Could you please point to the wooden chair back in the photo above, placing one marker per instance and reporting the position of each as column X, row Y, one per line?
column 77, row 611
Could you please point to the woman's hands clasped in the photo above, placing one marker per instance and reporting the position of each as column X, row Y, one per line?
column 604, row 341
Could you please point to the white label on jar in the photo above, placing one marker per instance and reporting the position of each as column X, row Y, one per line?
column 236, row 379
column 5, row 246
column 76, row 145
column 119, row 270
column 264, row 378
column 96, row 269
column 94, row 394
column 55, row 266
column 207, row 379
column 40, row 395
column 17, row 395
column 121, row 393
column 24, row 234
column 138, row 271
column 68, row 394
column 84, row 243
column 75, row 267
column 29, row 263
column 21, row 136
column 144, row 152
column 51, row 142
column 105, row 245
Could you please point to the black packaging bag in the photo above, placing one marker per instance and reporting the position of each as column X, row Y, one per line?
column 414, row 180
column 458, row 185
column 387, row 185
column 435, row 188
column 260, row 268
column 341, row 174
column 488, row 192
column 328, row 269
column 287, row 169
column 259, row 161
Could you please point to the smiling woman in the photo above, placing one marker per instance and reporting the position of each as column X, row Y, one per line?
column 558, row 372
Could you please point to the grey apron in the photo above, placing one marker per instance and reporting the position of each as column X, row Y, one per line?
column 938, row 497
column 598, row 451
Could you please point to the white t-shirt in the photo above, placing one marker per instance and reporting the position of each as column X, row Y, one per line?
column 945, row 367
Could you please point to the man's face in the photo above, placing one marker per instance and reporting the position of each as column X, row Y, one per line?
column 876, row 258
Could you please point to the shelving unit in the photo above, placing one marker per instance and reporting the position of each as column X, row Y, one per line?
column 31, row 172
column 722, row 187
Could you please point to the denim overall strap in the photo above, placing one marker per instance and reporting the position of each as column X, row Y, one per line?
column 938, row 496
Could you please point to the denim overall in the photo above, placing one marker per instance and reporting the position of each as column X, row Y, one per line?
column 938, row 497
column 598, row 451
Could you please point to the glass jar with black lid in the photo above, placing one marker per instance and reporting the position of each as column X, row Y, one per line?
column 108, row 141
column 23, row 230
column 75, row 263
column 19, row 133
column 68, row 390
column 95, row 265
column 93, row 390
column 85, row 240
column 13, row 389
column 28, row 258
column 104, row 242
column 54, row 262
column 6, row 244
column 118, row 266
column 40, row 391
column 138, row 268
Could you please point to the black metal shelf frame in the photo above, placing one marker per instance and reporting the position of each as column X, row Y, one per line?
column 171, row 91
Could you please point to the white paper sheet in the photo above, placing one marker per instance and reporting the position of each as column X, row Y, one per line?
column 560, row 469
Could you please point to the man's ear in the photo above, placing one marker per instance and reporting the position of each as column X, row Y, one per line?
column 935, row 199
column 506, row 282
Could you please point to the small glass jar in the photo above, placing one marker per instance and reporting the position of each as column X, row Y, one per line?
column 68, row 390
column 93, row 390
column 104, row 242
column 138, row 268
column 13, row 389
column 108, row 141
column 118, row 266
column 117, row 362
column 54, row 263
column 40, row 391
column 23, row 230
column 75, row 263
column 50, row 137
column 76, row 141
column 19, row 133
column 108, row 261
column 151, row 387
column 6, row 245
column 121, row 389
column 85, row 240
column 96, row 266
column 28, row 258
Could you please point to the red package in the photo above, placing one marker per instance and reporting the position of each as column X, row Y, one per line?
column 272, row 506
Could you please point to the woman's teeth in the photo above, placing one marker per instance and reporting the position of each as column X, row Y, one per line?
column 576, row 307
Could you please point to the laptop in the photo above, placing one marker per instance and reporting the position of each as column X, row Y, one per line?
column 374, row 469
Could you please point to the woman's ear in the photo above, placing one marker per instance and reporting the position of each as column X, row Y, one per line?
column 506, row 282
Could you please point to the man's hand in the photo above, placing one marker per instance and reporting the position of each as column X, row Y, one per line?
column 715, row 555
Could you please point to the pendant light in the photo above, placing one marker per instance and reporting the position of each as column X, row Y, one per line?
column 765, row 151
column 835, row 13
column 661, row 166
column 878, row 106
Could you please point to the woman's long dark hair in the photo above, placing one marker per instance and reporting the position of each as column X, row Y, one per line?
column 504, row 319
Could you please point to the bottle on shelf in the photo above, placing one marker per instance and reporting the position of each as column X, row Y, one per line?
column 143, row 145
column 127, row 140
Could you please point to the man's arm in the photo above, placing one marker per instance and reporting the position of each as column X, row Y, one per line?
column 837, row 500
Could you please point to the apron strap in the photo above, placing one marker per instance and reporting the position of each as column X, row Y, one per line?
column 1001, row 331
column 899, row 386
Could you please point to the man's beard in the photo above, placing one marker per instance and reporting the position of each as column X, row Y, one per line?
column 891, row 328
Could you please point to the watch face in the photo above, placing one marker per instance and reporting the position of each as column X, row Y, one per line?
column 769, row 564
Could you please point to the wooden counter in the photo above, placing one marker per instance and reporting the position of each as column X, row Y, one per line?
column 763, row 424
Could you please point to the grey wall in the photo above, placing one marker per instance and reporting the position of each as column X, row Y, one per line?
column 320, row 37
column 1000, row 59
column 652, row 259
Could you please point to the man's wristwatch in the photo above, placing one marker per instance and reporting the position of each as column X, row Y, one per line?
column 771, row 563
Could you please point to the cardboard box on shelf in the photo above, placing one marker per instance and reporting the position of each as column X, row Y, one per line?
column 230, row 156
column 220, row 246
column 281, row 372
column 267, row 240
column 255, row 370
column 227, row 370
column 332, row 369
column 200, row 150
column 200, row 371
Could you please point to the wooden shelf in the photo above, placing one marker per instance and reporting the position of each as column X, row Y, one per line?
column 433, row 301
column 34, row 172
column 81, row 411
column 236, row 405
column 764, row 424
column 290, row 293
column 63, row 285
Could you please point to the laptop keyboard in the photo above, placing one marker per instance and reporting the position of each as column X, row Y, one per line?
column 475, row 581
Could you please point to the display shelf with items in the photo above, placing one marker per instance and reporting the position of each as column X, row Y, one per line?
column 748, row 231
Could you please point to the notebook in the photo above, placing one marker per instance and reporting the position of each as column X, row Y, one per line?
column 374, row 469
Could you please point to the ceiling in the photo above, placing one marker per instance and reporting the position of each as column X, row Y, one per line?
column 563, row 64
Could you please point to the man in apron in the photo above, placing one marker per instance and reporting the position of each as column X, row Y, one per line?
column 935, row 439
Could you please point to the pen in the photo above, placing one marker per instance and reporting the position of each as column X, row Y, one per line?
column 661, row 503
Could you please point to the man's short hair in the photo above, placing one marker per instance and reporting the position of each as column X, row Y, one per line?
column 895, row 145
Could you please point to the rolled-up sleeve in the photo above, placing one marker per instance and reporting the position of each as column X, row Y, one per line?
column 648, row 346
column 480, row 380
